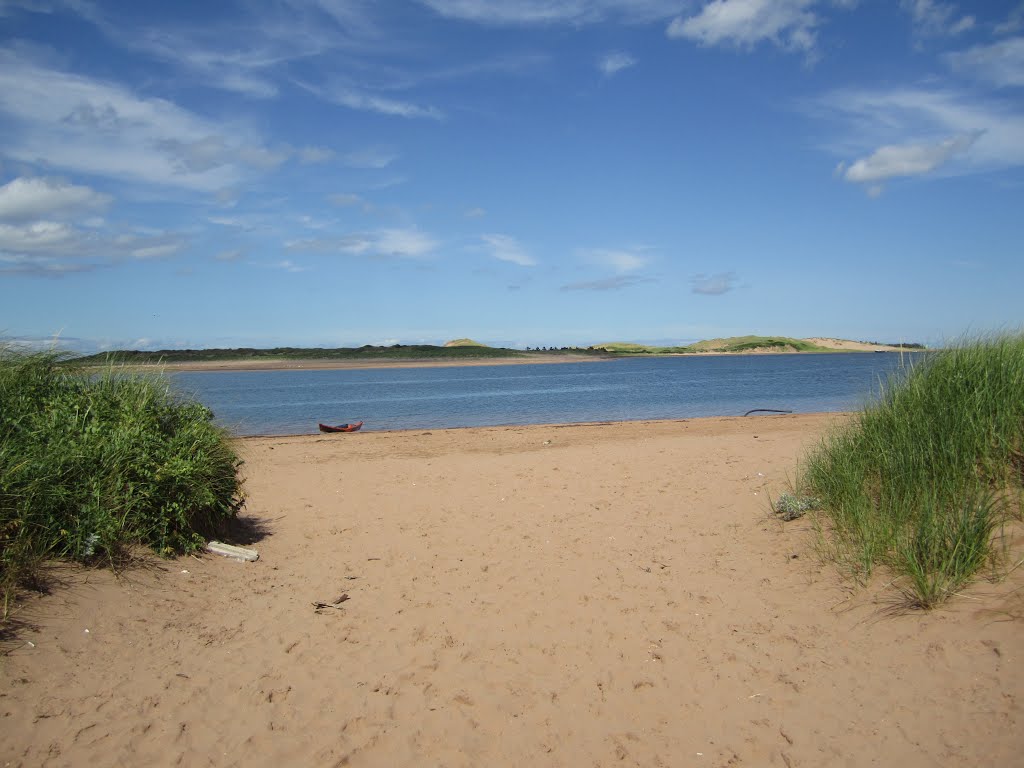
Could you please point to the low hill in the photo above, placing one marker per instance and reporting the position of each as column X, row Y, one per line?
column 463, row 343
column 731, row 344
column 756, row 344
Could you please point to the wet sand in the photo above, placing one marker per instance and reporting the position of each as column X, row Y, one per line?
column 586, row 595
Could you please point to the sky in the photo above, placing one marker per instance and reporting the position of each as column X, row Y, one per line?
column 521, row 172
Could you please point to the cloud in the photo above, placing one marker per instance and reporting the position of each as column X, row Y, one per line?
column 231, row 255
column 95, row 127
column 612, row 63
column 507, row 248
column 475, row 213
column 1001, row 64
column 911, row 131
column 53, row 248
column 313, row 155
column 607, row 284
column 404, row 243
column 398, row 243
column 713, row 285
column 16, row 265
column 38, row 198
column 345, row 199
column 936, row 19
column 371, row 157
column 352, row 97
column 1014, row 22
column 906, row 160
column 525, row 12
column 789, row 24
column 621, row 260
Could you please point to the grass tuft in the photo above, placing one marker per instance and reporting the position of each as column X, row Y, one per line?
column 922, row 481
column 91, row 463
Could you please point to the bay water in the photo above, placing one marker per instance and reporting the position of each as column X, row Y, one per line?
column 295, row 401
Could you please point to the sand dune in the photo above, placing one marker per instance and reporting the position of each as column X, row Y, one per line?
column 546, row 596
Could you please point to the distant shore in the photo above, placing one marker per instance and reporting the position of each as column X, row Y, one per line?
column 256, row 364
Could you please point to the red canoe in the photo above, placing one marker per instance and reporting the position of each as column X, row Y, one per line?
column 341, row 427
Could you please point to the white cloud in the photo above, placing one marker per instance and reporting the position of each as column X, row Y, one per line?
column 1001, row 64
column 37, row 237
column 619, row 259
column 906, row 160
column 1014, row 22
column 313, row 155
column 398, row 243
column 38, row 198
column 350, row 96
column 50, row 247
column 713, row 285
column 475, row 213
column 507, row 248
column 522, row 12
column 910, row 131
column 371, row 157
column 615, row 62
column 607, row 284
column 95, row 127
column 789, row 24
column 231, row 255
column 936, row 19
column 405, row 243
column 345, row 199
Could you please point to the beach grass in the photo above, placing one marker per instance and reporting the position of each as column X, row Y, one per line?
column 91, row 463
column 923, row 481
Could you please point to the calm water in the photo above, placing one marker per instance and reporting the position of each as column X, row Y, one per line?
column 293, row 402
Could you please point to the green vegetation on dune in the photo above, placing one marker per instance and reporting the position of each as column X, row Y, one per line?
column 733, row 344
column 625, row 347
column 92, row 463
column 367, row 352
column 463, row 343
column 748, row 343
column 922, row 481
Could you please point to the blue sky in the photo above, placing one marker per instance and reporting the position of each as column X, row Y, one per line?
column 523, row 172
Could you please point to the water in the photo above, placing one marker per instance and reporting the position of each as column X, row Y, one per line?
column 293, row 402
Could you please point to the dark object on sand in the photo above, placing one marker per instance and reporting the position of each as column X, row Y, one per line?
column 341, row 427
column 765, row 410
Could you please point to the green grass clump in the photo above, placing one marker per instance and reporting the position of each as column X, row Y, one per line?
column 922, row 480
column 92, row 463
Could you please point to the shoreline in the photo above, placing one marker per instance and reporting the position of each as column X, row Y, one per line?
column 658, row 424
column 331, row 365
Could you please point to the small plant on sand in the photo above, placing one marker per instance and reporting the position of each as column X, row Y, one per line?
column 790, row 506
column 91, row 463
column 922, row 481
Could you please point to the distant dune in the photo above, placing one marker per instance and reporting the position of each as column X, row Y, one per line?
column 753, row 345
column 853, row 346
column 463, row 343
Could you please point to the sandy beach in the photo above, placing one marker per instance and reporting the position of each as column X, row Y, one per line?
column 256, row 364
column 586, row 595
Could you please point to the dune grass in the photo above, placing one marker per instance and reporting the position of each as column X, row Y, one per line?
column 92, row 463
column 922, row 481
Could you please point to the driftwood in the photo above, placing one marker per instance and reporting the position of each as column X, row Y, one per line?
column 229, row 550
column 320, row 605
column 765, row 410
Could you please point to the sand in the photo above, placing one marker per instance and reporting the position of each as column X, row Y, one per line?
column 524, row 596
column 846, row 345
column 258, row 364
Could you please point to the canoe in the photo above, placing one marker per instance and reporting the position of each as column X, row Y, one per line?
column 341, row 427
